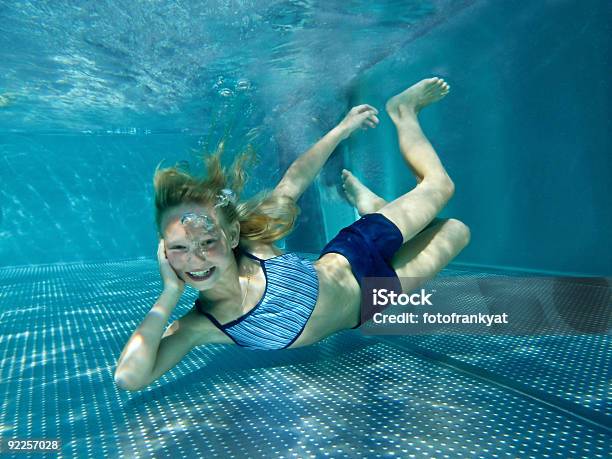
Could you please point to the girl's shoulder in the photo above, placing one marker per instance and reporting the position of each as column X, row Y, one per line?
column 260, row 249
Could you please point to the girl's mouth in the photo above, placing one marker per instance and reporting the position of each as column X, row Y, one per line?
column 199, row 276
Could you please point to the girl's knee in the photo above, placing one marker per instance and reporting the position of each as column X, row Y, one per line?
column 460, row 230
column 440, row 186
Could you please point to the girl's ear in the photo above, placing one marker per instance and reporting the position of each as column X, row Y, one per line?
column 235, row 234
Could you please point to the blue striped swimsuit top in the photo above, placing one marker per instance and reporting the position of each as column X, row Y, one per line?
column 292, row 289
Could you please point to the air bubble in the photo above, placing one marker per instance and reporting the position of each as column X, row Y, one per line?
column 243, row 84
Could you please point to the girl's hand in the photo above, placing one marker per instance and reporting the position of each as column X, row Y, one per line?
column 169, row 277
column 359, row 117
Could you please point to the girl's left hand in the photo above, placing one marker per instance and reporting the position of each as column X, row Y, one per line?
column 359, row 117
column 170, row 279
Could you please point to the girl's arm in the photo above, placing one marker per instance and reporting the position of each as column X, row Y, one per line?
column 305, row 168
column 137, row 361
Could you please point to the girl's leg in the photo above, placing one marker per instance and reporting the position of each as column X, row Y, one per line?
column 403, row 110
column 429, row 252
column 412, row 211
column 424, row 255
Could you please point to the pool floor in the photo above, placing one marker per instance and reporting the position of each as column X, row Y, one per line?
column 351, row 395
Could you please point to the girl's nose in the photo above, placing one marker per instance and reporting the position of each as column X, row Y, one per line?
column 197, row 252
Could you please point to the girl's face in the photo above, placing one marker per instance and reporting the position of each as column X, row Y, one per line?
column 199, row 253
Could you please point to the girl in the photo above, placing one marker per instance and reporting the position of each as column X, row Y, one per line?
column 254, row 295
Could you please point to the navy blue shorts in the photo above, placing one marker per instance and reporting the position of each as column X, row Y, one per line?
column 369, row 245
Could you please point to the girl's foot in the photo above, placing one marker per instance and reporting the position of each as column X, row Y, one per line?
column 412, row 100
column 359, row 195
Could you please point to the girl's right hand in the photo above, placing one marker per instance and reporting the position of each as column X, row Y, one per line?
column 359, row 117
column 169, row 277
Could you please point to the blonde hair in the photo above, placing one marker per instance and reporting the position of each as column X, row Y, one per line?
column 264, row 217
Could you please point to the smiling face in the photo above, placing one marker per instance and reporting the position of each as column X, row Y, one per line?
column 199, row 253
